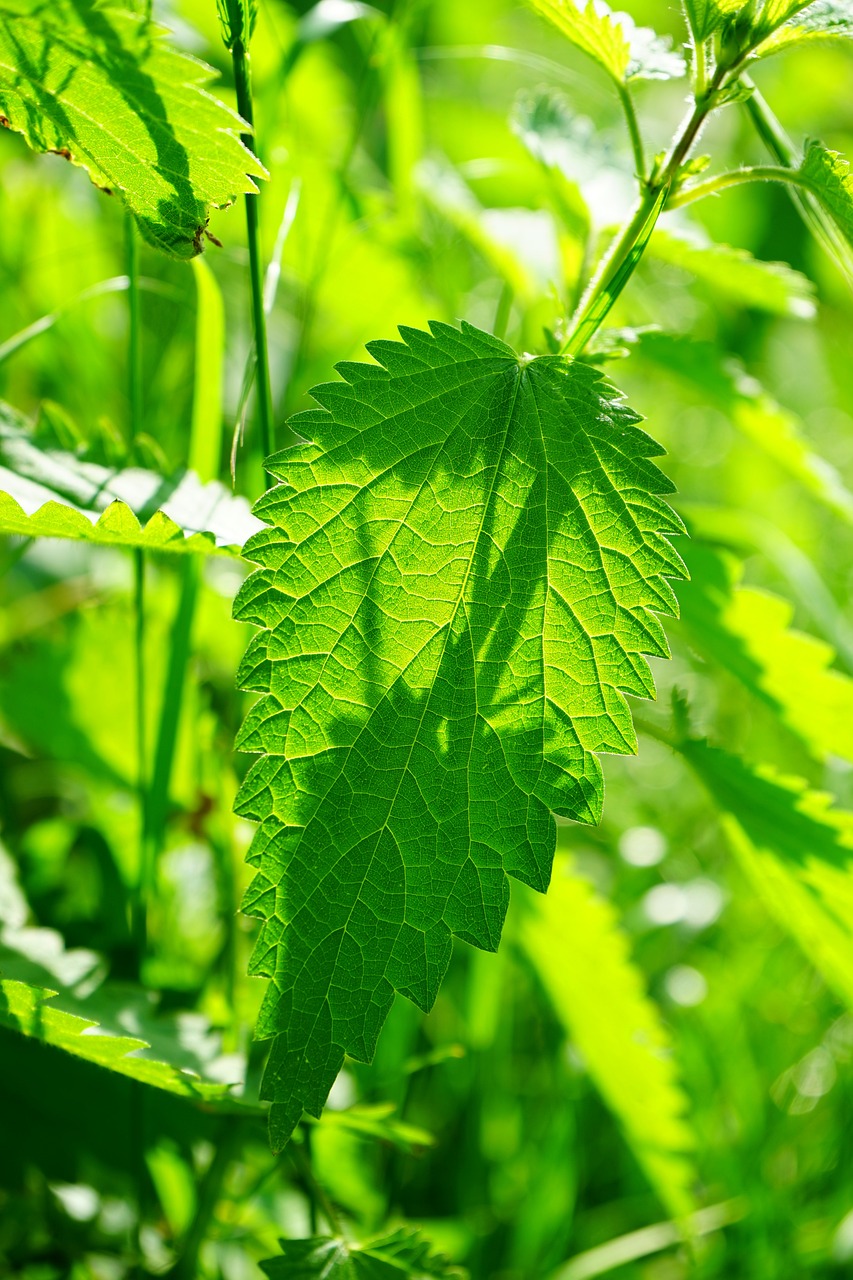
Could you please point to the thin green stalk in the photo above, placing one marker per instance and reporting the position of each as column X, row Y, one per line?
column 140, row 906
column 134, row 351
column 810, row 209
column 626, row 250
column 634, row 132
column 180, row 650
column 316, row 1194
column 243, row 84
column 737, row 177
column 134, row 384
column 209, row 1195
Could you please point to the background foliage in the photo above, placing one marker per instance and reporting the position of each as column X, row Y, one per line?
column 668, row 1035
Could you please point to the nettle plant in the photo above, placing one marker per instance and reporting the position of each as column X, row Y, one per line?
column 459, row 570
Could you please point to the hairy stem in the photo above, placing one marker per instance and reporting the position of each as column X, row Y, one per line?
column 243, row 84
column 626, row 250
column 634, row 132
column 736, row 178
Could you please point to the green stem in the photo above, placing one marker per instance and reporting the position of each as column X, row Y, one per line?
column 209, row 1195
column 315, row 1191
column 626, row 250
column 634, row 132
column 243, row 84
column 737, row 177
column 134, row 352
column 180, row 650
column 810, row 209
column 614, row 271
column 140, row 905
column 700, row 69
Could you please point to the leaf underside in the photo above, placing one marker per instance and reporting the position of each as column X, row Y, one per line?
column 460, row 578
column 51, row 493
column 104, row 89
column 401, row 1253
column 27, row 1009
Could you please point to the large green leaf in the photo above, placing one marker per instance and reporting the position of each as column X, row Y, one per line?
column 105, row 89
column 50, row 493
column 457, row 588
column 748, row 632
column 394, row 1256
column 624, row 50
column 583, row 960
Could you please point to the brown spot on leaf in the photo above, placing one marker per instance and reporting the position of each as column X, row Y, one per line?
column 212, row 238
column 4, row 122
column 61, row 151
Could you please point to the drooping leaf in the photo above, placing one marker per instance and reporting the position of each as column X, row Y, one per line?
column 53, row 494
column 736, row 274
column 748, row 632
column 826, row 174
column 106, row 90
column 390, row 1257
column 624, row 50
column 796, row 849
column 459, row 581
column 582, row 957
column 27, row 1009
column 775, row 811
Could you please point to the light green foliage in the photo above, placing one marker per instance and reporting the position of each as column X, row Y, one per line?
column 624, row 50
column 390, row 1257
column 826, row 174
column 583, row 960
column 819, row 21
column 106, row 90
column 748, row 632
column 796, row 849
column 27, row 1009
column 458, row 585
column 736, row 274
column 50, row 493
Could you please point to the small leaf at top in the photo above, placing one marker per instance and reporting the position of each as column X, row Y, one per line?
column 463, row 568
column 237, row 19
column 624, row 50
column 707, row 16
column 105, row 90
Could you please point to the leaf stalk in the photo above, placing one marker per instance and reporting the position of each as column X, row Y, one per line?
column 243, row 85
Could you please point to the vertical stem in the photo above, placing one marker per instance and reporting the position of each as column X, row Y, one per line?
column 243, row 84
column 634, row 131
column 134, row 351
column 134, row 385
